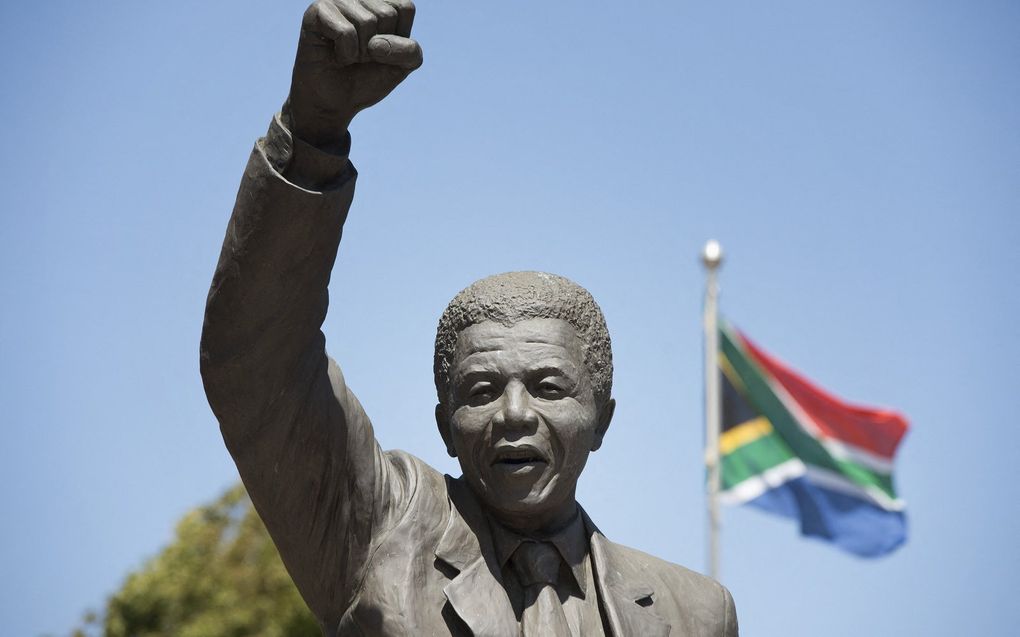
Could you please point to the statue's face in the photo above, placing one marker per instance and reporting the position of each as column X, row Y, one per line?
column 522, row 418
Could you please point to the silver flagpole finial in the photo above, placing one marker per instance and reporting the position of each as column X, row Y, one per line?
column 712, row 254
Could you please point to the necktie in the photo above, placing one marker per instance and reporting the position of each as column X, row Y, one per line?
column 538, row 566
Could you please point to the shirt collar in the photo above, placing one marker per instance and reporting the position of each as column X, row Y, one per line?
column 569, row 540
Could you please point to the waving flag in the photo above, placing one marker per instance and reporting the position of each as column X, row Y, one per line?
column 793, row 449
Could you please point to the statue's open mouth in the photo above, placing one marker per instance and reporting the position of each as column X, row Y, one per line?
column 512, row 461
column 518, row 455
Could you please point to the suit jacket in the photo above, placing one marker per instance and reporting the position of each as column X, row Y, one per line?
column 378, row 543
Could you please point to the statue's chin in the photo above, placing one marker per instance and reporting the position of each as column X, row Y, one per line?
column 525, row 505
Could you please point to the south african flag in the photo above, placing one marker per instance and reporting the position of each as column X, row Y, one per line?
column 793, row 449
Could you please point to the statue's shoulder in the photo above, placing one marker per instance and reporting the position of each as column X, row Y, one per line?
column 675, row 576
column 413, row 471
column 698, row 603
column 414, row 485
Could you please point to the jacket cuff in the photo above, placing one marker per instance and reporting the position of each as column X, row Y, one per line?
column 330, row 169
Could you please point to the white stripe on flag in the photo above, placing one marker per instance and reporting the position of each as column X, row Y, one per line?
column 777, row 476
column 836, row 482
column 752, row 487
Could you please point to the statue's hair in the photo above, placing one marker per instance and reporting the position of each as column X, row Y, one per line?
column 513, row 297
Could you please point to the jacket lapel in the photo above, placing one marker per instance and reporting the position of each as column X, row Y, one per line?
column 476, row 594
column 628, row 602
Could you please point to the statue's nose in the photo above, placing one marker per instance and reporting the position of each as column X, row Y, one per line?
column 516, row 410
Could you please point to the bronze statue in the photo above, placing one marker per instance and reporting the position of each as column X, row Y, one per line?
column 378, row 542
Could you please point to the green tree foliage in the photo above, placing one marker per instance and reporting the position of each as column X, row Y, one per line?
column 220, row 577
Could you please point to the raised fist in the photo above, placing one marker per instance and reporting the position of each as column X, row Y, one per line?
column 351, row 54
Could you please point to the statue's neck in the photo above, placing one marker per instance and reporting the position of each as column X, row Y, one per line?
column 537, row 525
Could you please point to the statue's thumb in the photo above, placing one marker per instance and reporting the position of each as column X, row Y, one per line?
column 395, row 51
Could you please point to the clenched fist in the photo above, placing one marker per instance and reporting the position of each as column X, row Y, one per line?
column 351, row 54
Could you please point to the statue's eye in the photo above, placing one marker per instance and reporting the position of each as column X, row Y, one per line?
column 481, row 393
column 550, row 389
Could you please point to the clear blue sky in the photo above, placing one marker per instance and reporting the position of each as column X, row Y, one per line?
column 859, row 162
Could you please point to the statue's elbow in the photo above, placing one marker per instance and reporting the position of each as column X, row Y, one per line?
column 213, row 364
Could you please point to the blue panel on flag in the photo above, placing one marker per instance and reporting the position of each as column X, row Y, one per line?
column 853, row 524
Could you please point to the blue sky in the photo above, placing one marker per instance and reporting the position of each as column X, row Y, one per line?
column 858, row 161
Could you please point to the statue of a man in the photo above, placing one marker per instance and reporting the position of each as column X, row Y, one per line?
column 378, row 542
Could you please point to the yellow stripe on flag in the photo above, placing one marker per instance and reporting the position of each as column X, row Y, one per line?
column 743, row 434
column 731, row 374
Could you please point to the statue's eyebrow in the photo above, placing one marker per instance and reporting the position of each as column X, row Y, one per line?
column 546, row 369
column 472, row 372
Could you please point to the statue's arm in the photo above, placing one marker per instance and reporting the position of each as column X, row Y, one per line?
column 302, row 443
column 303, row 446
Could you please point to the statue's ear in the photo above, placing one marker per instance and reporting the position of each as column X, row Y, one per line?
column 443, row 422
column 605, row 417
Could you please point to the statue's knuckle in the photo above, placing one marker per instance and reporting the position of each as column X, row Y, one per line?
column 311, row 15
column 361, row 16
column 314, row 15
column 403, row 8
column 346, row 29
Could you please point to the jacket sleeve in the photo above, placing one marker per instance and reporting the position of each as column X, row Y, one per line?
column 303, row 445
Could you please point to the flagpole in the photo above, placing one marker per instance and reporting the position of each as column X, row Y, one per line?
column 711, row 257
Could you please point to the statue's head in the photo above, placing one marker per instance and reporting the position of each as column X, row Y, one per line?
column 524, row 373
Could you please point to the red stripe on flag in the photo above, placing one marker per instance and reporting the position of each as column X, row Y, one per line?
column 876, row 430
